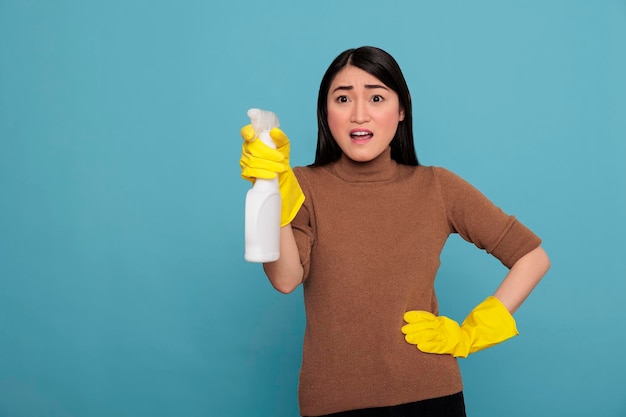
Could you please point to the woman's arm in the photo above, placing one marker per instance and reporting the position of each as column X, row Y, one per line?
column 286, row 273
column 488, row 324
column 522, row 279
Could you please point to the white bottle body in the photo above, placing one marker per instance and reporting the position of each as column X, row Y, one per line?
column 262, row 217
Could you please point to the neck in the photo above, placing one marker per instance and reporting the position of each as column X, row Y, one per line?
column 381, row 168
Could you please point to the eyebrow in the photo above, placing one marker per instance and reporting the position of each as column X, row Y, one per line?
column 367, row 86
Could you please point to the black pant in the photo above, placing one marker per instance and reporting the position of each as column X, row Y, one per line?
column 448, row 406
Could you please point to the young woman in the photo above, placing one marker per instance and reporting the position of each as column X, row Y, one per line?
column 362, row 229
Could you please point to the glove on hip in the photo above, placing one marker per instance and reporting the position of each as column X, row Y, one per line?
column 260, row 161
column 488, row 324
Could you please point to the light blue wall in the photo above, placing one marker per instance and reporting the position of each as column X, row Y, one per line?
column 123, row 289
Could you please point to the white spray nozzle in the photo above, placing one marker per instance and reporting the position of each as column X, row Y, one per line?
column 262, row 120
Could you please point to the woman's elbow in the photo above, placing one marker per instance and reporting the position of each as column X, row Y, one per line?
column 284, row 279
column 544, row 259
column 285, row 287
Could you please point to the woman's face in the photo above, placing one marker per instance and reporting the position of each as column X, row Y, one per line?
column 363, row 114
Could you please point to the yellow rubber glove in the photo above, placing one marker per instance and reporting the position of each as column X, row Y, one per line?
column 260, row 161
column 488, row 324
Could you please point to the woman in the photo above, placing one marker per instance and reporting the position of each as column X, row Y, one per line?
column 362, row 229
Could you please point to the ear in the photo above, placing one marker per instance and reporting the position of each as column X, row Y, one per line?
column 401, row 114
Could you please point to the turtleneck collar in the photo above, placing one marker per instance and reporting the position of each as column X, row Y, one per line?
column 381, row 168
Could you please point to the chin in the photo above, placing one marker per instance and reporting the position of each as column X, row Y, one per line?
column 361, row 158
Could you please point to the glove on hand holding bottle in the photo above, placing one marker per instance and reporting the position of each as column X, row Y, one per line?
column 260, row 161
column 488, row 324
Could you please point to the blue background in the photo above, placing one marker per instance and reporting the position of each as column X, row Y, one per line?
column 123, row 289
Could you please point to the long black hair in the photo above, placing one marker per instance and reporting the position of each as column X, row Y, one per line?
column 383, row 66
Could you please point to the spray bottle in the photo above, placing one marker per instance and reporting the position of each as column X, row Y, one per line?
column 262, row 222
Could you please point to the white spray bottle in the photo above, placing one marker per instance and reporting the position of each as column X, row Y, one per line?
column 262, row 235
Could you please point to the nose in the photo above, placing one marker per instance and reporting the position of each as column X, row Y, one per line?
column 360, row 113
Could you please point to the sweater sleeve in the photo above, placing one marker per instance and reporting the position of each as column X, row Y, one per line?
column 477, row 220
column 302, row 224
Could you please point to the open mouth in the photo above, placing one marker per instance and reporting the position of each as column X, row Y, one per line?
column 361, row 135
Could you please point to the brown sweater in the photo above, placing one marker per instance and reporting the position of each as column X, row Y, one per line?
column 370, row 236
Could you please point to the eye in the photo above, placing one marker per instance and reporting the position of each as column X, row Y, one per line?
column 377, row 98
column 342, row 99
